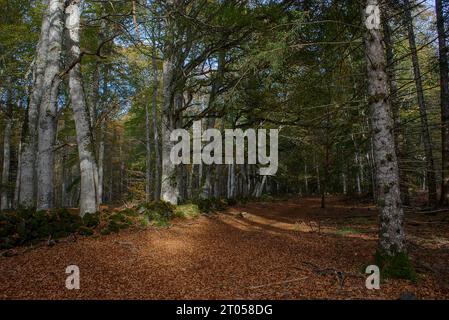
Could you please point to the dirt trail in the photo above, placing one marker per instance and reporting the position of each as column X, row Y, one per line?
column 276, row 250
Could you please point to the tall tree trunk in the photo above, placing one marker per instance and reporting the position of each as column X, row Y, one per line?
column 391, row 233
column 431, row 180
column 169, row 188
column 27, row 179
column 101, row 163
column 306, row 179
column 99, row 139
column 157, row 166
column 148, row 153
column 48, row 109
column 444, row 91
column 86, row 149
column 17, row 186
column 5, row 187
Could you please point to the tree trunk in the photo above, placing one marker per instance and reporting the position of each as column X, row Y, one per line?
column 148, row 154
column 48, row 109
column 5, row 192
column 444, row 91
column 101, row 163
column 86, row 149
column 391, row 233
column 27, row 179
column 169, row 189
column 306, row 179
column 17, row 186
column 431, row 180
column 157, row 166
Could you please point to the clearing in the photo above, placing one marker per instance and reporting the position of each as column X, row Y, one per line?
column 263, row 250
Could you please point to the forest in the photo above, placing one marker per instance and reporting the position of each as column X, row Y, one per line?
column 224, row 149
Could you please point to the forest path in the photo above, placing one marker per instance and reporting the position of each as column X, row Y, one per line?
column 264, row 250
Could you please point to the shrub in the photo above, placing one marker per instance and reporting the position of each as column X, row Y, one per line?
column 211, row 205
column 29, row 226
column 91, row 220
column 188, row 210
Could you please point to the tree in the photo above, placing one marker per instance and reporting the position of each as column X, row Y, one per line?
column 444, row 100
column 5, row 201
column 27, row 181
column 431, row 179
column 86, row 149
column 48, row 107
column 392, row 240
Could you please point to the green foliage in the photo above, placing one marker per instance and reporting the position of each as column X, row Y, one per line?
column 397, row 267
column 188, row 210
column 116, row 221
column 211, row 205
column 347, row 230
column 29, row 226
column 91, row 220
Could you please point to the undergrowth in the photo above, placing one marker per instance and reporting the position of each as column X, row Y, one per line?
column 28, row 226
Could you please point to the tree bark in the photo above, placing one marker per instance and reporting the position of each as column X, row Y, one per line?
column 431, row 180
column 444, row 92
column 27, row 179
column 148, row 153
column 391, row 233
column 48, row 109
column 86, row 149
column 5, row 192
column 157, row 166
column 169, row 188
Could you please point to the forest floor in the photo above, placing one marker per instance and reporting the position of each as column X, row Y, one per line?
column 265, row 250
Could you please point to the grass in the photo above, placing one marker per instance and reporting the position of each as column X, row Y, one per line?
column 347, row 231
column 188, row 211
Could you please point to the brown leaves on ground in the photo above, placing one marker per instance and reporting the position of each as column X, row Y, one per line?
column 280, row 250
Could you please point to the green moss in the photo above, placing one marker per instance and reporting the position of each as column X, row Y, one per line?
column 25, row 226
column 347, row 230
column 130, row 212
column 85, row 231
column 161, row 223
column 397, row 267
column 189, row 210
column 143, row 222
column 212, row 205
column 91, row 220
